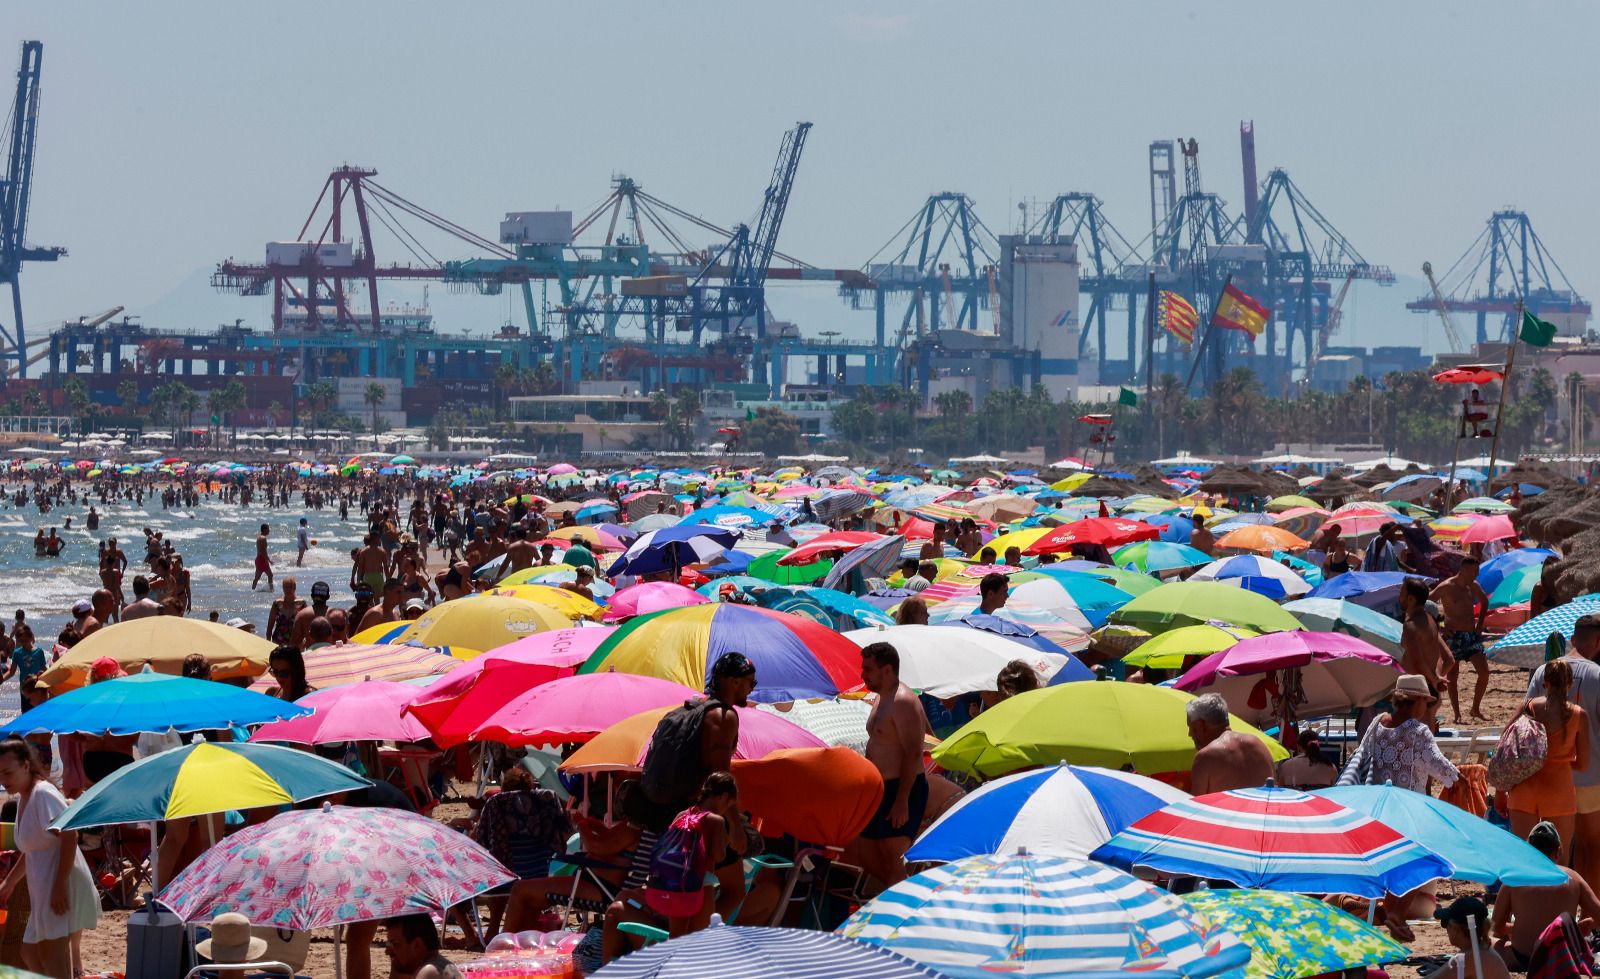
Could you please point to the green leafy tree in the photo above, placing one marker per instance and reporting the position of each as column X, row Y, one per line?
column 77, row 394
column 128, row 396
column 320, row 398
column 772, row 432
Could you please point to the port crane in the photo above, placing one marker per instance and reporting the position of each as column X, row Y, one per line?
column 1456, row 346
column 16, row 188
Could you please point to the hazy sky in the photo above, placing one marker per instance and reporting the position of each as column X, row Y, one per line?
column 176, row 134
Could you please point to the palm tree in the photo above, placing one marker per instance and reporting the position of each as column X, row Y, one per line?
column 374, row 397
column 320, row 397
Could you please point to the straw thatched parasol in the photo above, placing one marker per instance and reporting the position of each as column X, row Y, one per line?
column 1336, row 488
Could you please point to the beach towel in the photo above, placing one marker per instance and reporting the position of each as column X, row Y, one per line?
column 1471, row 791
column 1561, row 952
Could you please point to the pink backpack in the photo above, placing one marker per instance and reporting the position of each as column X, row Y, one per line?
column 1523, row 748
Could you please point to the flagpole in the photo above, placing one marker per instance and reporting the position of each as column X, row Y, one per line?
column 1150, row 364
column 1211, row 327
column 1505, row 392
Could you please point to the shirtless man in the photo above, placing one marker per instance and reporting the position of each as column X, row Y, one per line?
column 102, row 606
column 1419, row 634
column 372, row 563
column 389, row 611
column 933, row 549
column 1465, row 604
column 1201, row 539
column 584, row 578
column 520, row 553
column 1521, row 913
column 894, row 744
column 1224, row 759
column 143, row 604
column 302, row 619
column 263, row 563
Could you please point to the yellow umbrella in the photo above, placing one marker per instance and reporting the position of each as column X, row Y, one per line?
column 1072, row 482
column 1278, row 504
column 162, row 641
column 568, row 603
column 483, row 622
column 1020, row 539
column 380, row 633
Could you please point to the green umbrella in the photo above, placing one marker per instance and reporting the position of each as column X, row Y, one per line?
column 767, row 567
column 1168, row 650
column 1292, row 936
column 1180, row 603
column 1107, row 724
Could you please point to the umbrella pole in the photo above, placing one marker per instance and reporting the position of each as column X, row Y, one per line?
column 1472, row 935
column 155, row 859
column 338, row 957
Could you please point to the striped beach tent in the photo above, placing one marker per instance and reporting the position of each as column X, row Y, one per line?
column 1276, row 838
column 1026, row 914
column 1524, row 646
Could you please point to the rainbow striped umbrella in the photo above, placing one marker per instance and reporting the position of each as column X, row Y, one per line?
column 1279, row 839
column 794, row 657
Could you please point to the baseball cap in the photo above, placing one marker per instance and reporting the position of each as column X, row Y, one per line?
column 82, row 607
column 1462, row 909
column 415, row 603
column 1545, row 836
column 319, row 589
column 104, row 668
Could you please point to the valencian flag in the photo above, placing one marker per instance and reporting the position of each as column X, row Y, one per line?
column 1536, row 332
column 1177, row 316
column 1237, row 311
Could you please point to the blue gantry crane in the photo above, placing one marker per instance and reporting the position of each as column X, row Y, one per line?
column 1506, row 264
column 16, row 186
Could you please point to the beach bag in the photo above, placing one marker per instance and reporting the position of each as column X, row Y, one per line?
column 672, row 768
column 1520, row 755
column 678, row 861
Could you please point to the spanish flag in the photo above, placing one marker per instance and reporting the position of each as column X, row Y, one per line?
column 1177, row 316
column 1237, row 311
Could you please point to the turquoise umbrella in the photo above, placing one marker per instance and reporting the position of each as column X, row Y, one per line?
column 1516, row 586
column 152, row 702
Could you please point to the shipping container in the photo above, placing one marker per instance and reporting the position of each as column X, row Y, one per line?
column 656, row 285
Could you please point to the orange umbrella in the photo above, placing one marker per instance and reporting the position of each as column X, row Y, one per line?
column 622, row 746
column 1263, row 539
column 821, row 795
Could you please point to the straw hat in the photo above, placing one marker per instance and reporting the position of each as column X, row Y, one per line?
column 1412, row 686
column 231, row 940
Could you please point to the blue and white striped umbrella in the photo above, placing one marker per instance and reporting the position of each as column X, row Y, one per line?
column 1255, row 573
column 734, row 952
column 1042, row 916
column 873, row 560
column 838, row 502
column 1524, row 646
column 1066, row 811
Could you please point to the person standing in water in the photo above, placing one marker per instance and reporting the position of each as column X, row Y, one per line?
column 263, row 563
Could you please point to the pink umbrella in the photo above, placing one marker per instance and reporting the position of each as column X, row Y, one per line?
column 372, row 710
column 574, row 709
column 1283, row 675
column 561, row 469
column 1497, row 527
column 455, row 705
column 651, row 596
column 623, row 745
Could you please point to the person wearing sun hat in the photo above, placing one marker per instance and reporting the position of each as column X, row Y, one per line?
column 1398, row 746
column 231, row 942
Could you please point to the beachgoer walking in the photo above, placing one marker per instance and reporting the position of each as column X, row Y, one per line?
column 1464, row 605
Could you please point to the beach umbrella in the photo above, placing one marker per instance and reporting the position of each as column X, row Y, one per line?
column 1278, row 504
column 1373, row 589
column 737, row 952
column 1104, row 724
column 573, row 709
column 766, row 567
column 943, row 662
column 1152, row 557
column 456, row 705
column 1021, row 539
column 794, row 657
column 1497, row 527
column 651, row 596
column 593, row 537
column 559, row 574
column 825, row 796
column 1493, row 571
column 1175, row 528
column 841, row 722
column 332, row 666
column 1284, row 675
column 1181, row 603
column 838, row 540
column 1311, row 573
column 623, row 745
column 728, row 516
column 151, row 703
column 1170, row 649
column 1479, row 850
column 1340, row 615
column 1042, row 915
column 371, row 710
column 1263, row 539
column 1066, row 628
column 653, row 521
column 842, row 611
column 1292, row 936
column 162, row 642
column 1483, row 504
column 1252, row 573
column 1524, row 646
column 1516, row 586
column 1276, row 838
column 482, row 622
column 206, row 777
column 383, row 632
column 672, row 548
column 569, row 603
column 1135, row 583
column 838, row 502
column 1108, row 532
column 875, row 559
column 1065, row 811
column 1070, row 595
column 335, row 865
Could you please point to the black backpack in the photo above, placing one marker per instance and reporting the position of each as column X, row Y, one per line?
column 673, row 771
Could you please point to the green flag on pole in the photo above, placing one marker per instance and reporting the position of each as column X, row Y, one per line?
column 1126, row 397
column 1536, row 332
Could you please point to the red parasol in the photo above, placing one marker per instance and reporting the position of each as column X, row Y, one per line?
column 1470, row 374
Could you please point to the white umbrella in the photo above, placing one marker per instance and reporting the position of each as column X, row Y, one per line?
column 946, row 661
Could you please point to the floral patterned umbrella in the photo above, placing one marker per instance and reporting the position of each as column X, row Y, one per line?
column 334, row 866
column 1292, row 936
